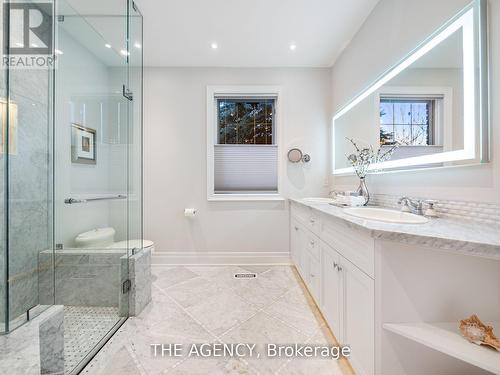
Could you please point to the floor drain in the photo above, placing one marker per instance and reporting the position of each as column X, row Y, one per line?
column 245, row 275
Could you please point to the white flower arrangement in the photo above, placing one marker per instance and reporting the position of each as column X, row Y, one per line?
column 364, row 157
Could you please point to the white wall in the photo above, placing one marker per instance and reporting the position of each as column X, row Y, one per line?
column 175, row 159
column 389, row 33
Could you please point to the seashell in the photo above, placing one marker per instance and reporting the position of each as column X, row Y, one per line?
column 478, row 333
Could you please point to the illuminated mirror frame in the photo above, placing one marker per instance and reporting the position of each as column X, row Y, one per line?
column 471, row 19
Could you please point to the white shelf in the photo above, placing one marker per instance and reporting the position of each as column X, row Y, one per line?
column 446, row 338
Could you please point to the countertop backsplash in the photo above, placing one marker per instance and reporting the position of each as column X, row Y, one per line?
column 479, row 212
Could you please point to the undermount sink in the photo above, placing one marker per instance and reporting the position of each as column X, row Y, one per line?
column 385, row 215
column 318, row 200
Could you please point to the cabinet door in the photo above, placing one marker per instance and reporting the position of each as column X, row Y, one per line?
column 297, row 245
column 359, row 317
column 314, row 275
column 332, row 291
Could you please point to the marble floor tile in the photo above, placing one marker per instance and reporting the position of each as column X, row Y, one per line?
column 223, row 276
column 122, row 363
column 324, row 336
column 256, row 268
column 222, row 312
column 210, row 272
column 266, row 288
column 318, row 366
column 164, row 318
column 263, row 329
column 165, row 277
column 197, row 366
column 297, row 309
column 204, row 304
column 311, row 366
column 194, row 291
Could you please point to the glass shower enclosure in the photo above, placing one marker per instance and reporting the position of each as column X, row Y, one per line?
column 71, row 170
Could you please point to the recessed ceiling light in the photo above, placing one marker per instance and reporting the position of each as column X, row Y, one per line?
column 137, row 45
column 107, row 45
column 293, row 47
column 34, row 45
column 59, row 52
column 124, row 52
column 214, row 45
column 19, row 44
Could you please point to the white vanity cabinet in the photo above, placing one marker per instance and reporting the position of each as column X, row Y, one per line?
column 305, row 252
column 347, row 302
column 326, row 252
column 420, row 285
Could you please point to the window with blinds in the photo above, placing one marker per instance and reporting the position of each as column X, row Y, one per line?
column 245, row 151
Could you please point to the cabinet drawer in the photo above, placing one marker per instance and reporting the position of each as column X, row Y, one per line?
column 309, row 217
column 355, row 244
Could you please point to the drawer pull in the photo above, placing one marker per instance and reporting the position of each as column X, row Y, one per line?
column 335, row 265
column 296, row 228
column 312, row 243
column 312, row 220
column 312, row 275
column 339, row 268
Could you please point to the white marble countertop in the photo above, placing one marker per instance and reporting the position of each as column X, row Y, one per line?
column 458, row 236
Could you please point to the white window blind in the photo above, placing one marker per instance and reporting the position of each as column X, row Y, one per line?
column 242, row 143
column 245, row 169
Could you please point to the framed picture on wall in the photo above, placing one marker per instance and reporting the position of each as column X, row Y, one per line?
column 83, row 144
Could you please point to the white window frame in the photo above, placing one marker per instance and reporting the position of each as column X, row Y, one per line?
column 443, row 124
column 213, row 92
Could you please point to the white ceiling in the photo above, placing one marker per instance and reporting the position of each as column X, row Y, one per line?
column 249, row 33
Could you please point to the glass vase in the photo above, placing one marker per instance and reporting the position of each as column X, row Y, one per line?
column 363, row 190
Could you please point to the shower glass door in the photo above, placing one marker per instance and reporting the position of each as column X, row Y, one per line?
column 71, row 171
column 134, row 79
column 25, row 167
column 98, row 171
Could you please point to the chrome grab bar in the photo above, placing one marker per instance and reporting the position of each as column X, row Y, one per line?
column 75, row 201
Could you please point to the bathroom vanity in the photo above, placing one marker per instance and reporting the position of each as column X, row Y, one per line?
column 395, row 293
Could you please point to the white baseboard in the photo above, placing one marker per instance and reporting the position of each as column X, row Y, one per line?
column 219, row 258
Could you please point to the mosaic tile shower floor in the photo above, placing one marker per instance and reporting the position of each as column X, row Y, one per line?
column 84, row 327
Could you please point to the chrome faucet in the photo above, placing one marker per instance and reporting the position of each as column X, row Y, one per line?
column 412, row 206
column 416, row 206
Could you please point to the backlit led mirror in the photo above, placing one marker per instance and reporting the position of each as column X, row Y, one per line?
column 433, row 104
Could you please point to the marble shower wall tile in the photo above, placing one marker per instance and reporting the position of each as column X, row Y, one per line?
column 51, row 336
column 137, row 269
column 140, row 277
column 34, row 346
column 83, row 277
